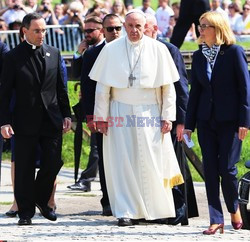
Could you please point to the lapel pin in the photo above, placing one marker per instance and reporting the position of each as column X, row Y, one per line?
column 47, row 54
column 221, row 52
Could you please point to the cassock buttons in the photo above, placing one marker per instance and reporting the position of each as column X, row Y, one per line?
column 221, row 52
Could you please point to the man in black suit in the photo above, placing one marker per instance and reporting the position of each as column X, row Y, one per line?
column 3, row 50
column 190, row 12
column 41, row 113
column 184, row 196
column 93, row 37
column 112, row 30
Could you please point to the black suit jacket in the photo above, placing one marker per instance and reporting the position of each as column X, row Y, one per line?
column 34, row 98
column 85, row 64
column 3, row 50
column 181, row 87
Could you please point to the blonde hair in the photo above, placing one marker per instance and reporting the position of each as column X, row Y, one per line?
column 223, row 32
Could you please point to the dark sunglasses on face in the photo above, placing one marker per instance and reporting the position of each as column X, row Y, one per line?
column 88, row 31
column 111, row 29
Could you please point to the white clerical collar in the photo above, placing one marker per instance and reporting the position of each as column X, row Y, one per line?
column 135, row 43
column 32, row 46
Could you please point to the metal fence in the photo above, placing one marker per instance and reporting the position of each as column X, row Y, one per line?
column 64, row 37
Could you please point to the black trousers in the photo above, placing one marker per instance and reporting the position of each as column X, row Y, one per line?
column 105, row 198
column 92, row 167
column 29, row 189
column 181, row 28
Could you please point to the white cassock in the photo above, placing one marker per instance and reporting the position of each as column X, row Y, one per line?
column 139, row 161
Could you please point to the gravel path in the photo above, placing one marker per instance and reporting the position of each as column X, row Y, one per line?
column 79, row 218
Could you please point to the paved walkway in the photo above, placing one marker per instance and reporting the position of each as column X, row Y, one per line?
column 79, row 218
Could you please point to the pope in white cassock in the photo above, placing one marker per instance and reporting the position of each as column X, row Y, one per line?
column 134, row 107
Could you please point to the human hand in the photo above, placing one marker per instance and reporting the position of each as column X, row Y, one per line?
column 242, row 133
column 179, row 132
column 102, row 127
column 166, row 126
column 82, row 46
column 7, row 131
column 92, row 126
column 66, row 125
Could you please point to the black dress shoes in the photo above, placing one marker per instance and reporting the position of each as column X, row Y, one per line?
column 11, row 213
column 84, row 186
column 181, row 216
column 127, row 222
column 106, row 211
column 24, row 221
column 47, row 212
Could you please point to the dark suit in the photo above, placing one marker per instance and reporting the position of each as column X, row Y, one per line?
column 3, row 50
column 190, row 12
column 219, row 107
column 37, row 119
column 88, row 102
column 183, row 193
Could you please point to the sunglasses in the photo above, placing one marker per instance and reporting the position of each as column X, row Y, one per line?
column 111, row 29
column 88, row 31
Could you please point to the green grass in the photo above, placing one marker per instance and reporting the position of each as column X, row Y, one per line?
column 5, row 203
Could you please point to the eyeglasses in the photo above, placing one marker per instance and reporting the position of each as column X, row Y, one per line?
column 40, row 31
column 89, row 31
column 246, row 9
column 111, row 29
column 204, row 26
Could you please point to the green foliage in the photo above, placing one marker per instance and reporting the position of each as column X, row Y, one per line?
column 5, row 203
column 68, row 151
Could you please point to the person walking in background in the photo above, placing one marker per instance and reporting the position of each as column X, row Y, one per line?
column 184, row 196
column 190, row 12
column 38, row 118
column 219, row 105
column 135, row 76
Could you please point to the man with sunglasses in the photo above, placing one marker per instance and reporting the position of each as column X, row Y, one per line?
column 111, row 29
column 93, row 38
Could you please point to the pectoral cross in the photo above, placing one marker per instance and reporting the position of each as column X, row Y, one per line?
column 131, row 79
